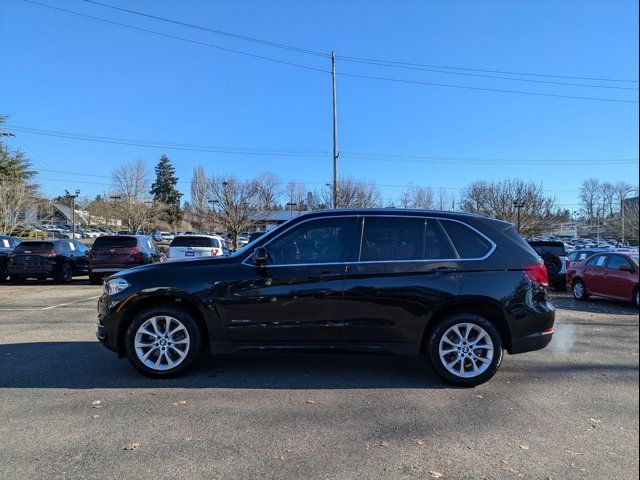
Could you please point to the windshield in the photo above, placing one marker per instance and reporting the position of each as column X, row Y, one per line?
column 33, row 247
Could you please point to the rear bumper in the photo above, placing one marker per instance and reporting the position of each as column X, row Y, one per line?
column 31, row 270
column 530, row 343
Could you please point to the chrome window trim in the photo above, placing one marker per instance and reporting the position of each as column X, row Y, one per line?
column 356, row 262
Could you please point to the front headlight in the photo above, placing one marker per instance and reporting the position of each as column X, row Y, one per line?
column 115, row 285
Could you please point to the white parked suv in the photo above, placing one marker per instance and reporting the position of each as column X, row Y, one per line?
column 164, row 237
column 195, row 246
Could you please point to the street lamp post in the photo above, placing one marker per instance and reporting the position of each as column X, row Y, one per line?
column 518, row 205
column 213, row 209
column 72, row 198
column 291, row 205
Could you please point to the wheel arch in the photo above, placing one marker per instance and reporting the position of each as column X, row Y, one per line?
column 173, row 299
column 485, row 307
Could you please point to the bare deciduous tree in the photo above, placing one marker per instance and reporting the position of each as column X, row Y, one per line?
column 496, row 200
column 133, row 204
column 268, row 187
column 17, row 201
column 351, row 194
column 591, row 198
column 200, row 208
column 416, row 197
column 238, row 203
column 296, row 194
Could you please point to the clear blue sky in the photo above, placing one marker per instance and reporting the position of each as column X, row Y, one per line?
column 62, row 72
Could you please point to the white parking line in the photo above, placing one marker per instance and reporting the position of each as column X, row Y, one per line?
column 70, row 303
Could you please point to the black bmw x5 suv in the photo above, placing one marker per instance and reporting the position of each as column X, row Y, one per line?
column 459, row 289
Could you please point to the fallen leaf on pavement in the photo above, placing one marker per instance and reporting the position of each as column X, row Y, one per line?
column 524, row 447
column 420, row 442
column 595, row 420
column 131, row 446
column 280, row 458
column 435, row 474
column 311, row 402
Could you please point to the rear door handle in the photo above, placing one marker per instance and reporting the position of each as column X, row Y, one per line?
column 324, row 276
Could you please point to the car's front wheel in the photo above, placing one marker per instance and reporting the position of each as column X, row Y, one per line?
column 579, row 290
column 163, row 341
column 465, row 349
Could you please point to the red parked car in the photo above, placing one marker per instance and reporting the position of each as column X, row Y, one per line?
column 611, row 275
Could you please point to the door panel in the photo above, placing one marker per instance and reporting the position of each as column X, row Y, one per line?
column 297, row 295
column 595, row 275
column 287, row 304
column 407, row 266
column 619, row 283
column 386, row 302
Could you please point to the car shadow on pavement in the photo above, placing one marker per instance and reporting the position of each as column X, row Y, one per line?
column 86, row 365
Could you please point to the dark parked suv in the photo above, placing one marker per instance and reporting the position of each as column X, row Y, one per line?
column 41, row 259
column 457, row 288
column 112, row 253
column 7, row 244
column 554, row 256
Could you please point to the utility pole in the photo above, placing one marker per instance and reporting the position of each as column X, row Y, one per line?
column 335, row 132
column 518, row 205
column 73, row 211
column 291, row 205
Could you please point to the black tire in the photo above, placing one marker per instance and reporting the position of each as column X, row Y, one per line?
column 17, row 279
column 636, row 298
column 4, row 274
column 195, row 338
column 579, row 290
column 65, row 274
column 436, row 335
column 95, row 279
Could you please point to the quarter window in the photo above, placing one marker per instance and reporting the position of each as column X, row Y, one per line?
column 467, row 242
column 397, row 239
column 316, row 241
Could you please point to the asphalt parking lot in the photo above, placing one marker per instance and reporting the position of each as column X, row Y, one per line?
column 570, row 411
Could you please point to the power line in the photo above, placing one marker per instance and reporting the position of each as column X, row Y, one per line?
column 393, row 62
column 407, row 158
column 175, row 37
column 371, row 77
column 388, row 63
column 495, row 90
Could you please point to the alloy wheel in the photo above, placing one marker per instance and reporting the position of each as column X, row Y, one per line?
column 578, row 290
column 466, row 350
column 162, row 343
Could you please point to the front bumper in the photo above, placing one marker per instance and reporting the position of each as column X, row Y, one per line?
column 109, row 317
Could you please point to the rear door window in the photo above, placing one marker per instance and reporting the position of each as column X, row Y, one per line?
column 468, row 243
column 403, row 239
column 597, row 261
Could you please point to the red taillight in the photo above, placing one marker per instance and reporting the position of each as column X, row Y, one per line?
column 567, row 263
column 537, row 274
column 91, row 254
column 136, row 255
column 168, row 252
column 214, row 252
column 49, row 254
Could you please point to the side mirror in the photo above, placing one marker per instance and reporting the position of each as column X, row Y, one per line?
column 625, row 268
column 260, row 256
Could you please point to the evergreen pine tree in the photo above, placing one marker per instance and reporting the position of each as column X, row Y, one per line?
column 164, row 191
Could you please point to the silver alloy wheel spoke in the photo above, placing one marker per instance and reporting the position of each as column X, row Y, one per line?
column 162, row 342
column 466, row 350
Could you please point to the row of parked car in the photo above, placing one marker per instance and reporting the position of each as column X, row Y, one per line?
column 61, row 259
column 606, row 271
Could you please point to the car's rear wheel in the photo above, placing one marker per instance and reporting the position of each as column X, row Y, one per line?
column 465, row 349
column 579, row 290
column 163, row 341
column 65, row 274
column 636, row 297
column 17, row 279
